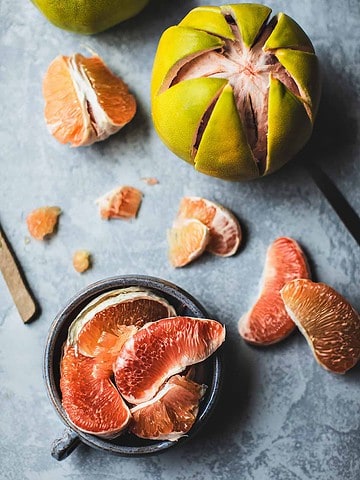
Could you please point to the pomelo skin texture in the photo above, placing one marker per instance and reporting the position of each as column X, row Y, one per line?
column 89, row 16
column 235, row 92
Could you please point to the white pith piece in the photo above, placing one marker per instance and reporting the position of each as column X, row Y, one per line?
column 100, row 126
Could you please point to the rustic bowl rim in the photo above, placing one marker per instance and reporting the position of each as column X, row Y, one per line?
column 61, row 323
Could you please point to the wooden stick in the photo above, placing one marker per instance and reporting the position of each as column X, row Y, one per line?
column 14, row 279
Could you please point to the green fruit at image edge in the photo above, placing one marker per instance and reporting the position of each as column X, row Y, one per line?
column 235, row 92
column 89, row 16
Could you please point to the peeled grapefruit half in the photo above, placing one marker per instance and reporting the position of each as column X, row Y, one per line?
column 90, row 399
column 329, row 323
column 162, row 349
column 171, row 413
column 267, row 321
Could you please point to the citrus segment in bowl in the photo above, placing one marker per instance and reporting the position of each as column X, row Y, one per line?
column 171, row 413
column 187, row 240
column 42, row 221
column 225, row 230
column 84, row 101
column 106, row 322
column 267, row 321
column 329, row 323
column 90, row 399
column 121, row 202
column 162, row 349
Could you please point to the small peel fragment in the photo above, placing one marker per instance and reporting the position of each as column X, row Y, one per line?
column 42, row 221
column 81, row 260
column 122, row 202
column 150, row 180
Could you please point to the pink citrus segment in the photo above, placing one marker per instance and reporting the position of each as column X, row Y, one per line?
column 122, row 202
column 171, row 413
column 187, row 241
column 267, row 321
column 106, row 323
column 225, row 230
column 162, row 349
column 328, row 321
column 90, row 399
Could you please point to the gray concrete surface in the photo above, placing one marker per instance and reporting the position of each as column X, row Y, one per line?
column 281, row 416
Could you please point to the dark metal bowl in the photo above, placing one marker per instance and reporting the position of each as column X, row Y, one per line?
column 208, row 372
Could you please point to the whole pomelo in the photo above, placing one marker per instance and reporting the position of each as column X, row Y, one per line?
column 233, row 92
column 89, row 16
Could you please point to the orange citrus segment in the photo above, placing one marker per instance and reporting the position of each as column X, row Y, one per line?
column 122, row 202
column 171, row 413
column 89, row 398
column 64, row 114
column 329, row 323
column 111, row 91
column 84, row 101
column 267, row 321
column 225, row 230
column 42, row 221
column 187, row 241
column 162, row 349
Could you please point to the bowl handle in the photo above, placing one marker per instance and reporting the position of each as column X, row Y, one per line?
column 63, row 446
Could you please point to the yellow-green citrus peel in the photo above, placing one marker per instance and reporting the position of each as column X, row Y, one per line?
column 233, row 92
column 89, row 16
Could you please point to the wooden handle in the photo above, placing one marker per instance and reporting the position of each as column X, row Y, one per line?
column 21, row 295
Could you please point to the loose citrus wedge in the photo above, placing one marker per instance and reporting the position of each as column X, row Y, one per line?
column 91, row 401
column 84, row 101
column 329, row 323
column 103, row 325
column 42, row 221
column 187, row 241
column 162, row 349
column 171, row 413
column 225, row 230
column 122, row 202
column 267, row 321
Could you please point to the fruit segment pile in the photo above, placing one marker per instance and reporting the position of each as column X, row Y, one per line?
column 125, row 364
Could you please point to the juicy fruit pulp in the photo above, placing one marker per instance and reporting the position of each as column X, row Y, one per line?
column 242, row 92
column 328, row 322
column 224, row 228
column 171, row 413
column 87, row 392
column 42, row 221
column 267, row 321
column 187, row 241
column 162, row 349
column 89, row 16
column 122, row 202
column 84, row 101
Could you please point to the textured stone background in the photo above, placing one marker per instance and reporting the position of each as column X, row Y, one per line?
column 281, row 416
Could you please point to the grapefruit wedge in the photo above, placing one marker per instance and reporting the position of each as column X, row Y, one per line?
column 187, row 241
column 329, row 323
column 162, row 349
column 267, row 321
column 91, row 401
column 104, row 324
column 225, row 230
column 171, row 413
